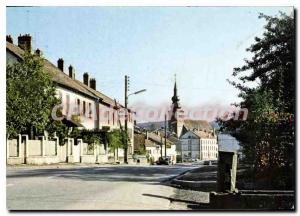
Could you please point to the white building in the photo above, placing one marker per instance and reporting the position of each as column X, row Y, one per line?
column 79, row 99
column 197, row 145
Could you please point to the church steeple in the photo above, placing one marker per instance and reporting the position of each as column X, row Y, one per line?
column 176, row 123
column 175, row 98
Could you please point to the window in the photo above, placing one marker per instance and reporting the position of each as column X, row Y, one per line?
column 113, row 118
column 90, row 110
column 189, row 145
column 67, row 103
column 84, row 108
column 78, row 106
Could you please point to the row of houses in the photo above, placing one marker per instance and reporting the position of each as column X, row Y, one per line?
column 80, row 99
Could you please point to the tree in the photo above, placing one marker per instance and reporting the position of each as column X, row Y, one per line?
column 116, row 139
column 268, row 135
column 30, row 96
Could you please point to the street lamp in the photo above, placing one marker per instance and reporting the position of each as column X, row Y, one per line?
column 137, row 92
column 126, row 116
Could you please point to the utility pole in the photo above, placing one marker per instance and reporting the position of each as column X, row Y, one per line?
column 165, row 135
column 161, row 147
column 126, row 119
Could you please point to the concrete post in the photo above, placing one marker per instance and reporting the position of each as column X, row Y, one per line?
column 96, row 152
column 43, row 146
column 26, row 151
column 56, row 144
column 70, row 146
column 67, row 147
column 227, row 166
column 19, row 145
column 80, row 143
column 7, row 150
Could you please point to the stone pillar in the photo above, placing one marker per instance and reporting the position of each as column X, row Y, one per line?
column 19, row 145
column 7, row 150
column 26, row 151
column 227, row 166
column 96, row 152
column 80, row 143
column 56, row 144
column 43, row 146
column 70, row 146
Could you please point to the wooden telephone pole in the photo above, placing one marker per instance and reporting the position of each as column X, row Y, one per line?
column 165, row 135
column 126, row 119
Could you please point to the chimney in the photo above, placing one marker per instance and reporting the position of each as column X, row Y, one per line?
column 9, row 39
column 38, row 52
column 24, row 42
column 71, row 72
column 86, row 79
column 60, row 64
column 93, row 83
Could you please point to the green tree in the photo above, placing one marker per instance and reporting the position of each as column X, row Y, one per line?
column 267, row 136
column 30, row 96
column 116, row 139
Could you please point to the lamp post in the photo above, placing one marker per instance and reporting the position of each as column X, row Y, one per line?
column 126, row 115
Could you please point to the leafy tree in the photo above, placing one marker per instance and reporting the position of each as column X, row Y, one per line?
column 57, row 128
column 116, row 139
column 267, row 136
column 30, row 96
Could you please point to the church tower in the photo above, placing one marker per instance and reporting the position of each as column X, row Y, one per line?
column 176, row 121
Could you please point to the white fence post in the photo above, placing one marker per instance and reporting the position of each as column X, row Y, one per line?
column 19, row 145
column 80, row 142
column 43, row 146
column 56, row 144
column 26, row 153
column 96, row 152
column 7, row 149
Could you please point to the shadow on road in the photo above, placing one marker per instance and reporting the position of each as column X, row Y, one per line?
column 151, row 174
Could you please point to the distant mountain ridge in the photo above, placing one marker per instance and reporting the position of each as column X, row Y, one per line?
column 161, row 124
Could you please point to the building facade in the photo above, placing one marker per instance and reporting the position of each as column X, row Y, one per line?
column 80, row 100
column 195, row 145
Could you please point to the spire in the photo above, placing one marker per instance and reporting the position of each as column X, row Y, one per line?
column 175, row 98
column 175, row 87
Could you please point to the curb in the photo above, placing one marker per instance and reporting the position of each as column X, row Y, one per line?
column 194, row 185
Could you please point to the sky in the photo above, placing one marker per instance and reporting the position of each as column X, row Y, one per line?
column 201, row 45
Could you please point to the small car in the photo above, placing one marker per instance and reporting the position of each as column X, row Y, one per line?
column 163, row 161
column 207, row 162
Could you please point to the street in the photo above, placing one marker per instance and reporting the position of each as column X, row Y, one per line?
column 109, row 187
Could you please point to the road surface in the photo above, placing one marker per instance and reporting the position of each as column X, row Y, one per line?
column 111, row 187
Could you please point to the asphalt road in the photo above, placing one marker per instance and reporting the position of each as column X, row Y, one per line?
column 111, row 187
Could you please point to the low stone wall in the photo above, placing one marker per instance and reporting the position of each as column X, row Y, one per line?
column 34, row 148
column 103, row 158
column 39, row 160
column 43, row 151
column 88, row 159
column 253, row 201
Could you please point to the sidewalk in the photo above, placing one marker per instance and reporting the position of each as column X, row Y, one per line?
column 66, row 165
column 198, row 179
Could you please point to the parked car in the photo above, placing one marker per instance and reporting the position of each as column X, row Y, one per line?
column 163, row 161
column 207, row 162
